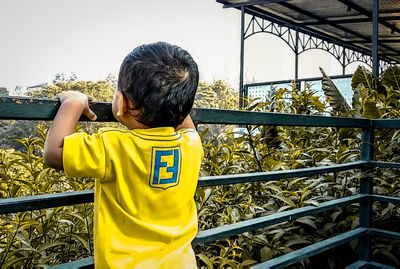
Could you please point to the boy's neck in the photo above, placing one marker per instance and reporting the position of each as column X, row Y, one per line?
column 136, row 125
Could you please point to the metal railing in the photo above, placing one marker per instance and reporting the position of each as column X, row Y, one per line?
column 19, row 108
column 301, row 84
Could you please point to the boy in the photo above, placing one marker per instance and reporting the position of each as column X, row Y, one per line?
column 145, row 215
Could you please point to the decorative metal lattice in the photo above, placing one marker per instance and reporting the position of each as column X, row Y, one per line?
column 306, row 42
column 352, row 56
column 257, row 25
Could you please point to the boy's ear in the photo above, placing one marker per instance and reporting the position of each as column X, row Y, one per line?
column 121, row 104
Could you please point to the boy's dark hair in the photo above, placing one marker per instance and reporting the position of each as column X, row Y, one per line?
column 161, row 81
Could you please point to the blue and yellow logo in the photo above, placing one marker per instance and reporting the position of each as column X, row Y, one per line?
column 165, row 167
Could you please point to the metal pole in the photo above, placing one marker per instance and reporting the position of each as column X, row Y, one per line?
column 296, row 59
column 367, row 153
column 241, row 90
column 375, row 59
column 344, row 62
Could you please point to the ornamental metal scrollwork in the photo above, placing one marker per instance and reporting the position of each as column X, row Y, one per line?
column 306, row 42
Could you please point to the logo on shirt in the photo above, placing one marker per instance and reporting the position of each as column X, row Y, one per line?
column 165, row 167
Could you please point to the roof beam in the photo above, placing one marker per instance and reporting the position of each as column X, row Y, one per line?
column 338, row 21
column 311, row 15
column 357, row 20
column 381, row 41
column 325, row 21
column 255, row 11
column 365, row 12
column 254, row 2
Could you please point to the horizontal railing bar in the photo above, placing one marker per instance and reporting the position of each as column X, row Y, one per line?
column 383, row 198
column 13, row 205
column 385, row 164
column 28, row 203
column 216, row 116
column 384, row 233
column 257, row 223
column 386, row 123
column 272, row 175
column 300, row 254
column 357, row 233
column 79, row 264
column 24, row 108
column 358, row 264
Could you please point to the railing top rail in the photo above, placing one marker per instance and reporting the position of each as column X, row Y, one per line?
column 25, row 108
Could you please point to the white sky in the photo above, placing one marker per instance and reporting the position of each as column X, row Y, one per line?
column 91, row 37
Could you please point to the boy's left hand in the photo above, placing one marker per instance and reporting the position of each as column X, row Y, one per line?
column 78, row 98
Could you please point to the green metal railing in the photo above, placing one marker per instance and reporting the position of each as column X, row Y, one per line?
column 18, row 108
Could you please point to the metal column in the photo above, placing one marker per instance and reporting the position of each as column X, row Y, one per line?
column 241, row 90
column 375, row 57
column 296, row 59
column 344, row 62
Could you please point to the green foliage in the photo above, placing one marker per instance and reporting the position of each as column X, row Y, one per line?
column 335, row 98
column 217, row 95
column 3, row 91
column 58, row 235
column 101, row 90
column 267, row 148
column 48, row 236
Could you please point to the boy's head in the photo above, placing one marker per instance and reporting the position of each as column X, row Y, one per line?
column 160, row 80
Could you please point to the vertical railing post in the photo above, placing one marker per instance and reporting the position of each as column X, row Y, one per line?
column 296, row 56
column 367, row 154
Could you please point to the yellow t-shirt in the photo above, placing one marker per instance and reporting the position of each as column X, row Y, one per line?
column 145, row 215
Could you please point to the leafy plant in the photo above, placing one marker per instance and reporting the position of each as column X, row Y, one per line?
column 58, row 235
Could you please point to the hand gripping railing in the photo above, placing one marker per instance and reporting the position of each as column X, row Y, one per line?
column 19, row 108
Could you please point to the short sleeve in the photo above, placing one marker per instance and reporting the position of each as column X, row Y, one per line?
column 84, row 155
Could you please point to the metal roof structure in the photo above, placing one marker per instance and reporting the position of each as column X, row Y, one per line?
column 351, row 30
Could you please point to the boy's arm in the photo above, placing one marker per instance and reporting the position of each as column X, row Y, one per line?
column 187, row 123
column 73, row 105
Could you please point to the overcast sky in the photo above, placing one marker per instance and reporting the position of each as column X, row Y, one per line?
column 91, row 37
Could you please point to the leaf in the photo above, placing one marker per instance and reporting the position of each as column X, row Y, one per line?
column 206, row 260
column 273, row 187
column 4, row 176
column 311, row 202
column 328, row 227
column 356, row 102
column 364, row 77
column 297, row 241
column 21, row 154
column 283, row 208
column 391, row 77
column 335, row 215
column 42, row 174
column 247, row 263
column 266, row 254
column 370, row 111
column 307, row 221
column 278, row 235
column 390, row 256
column 84, row 242
column 284, row 199
column 15, row 261
column 46, row 246
column 336, row 99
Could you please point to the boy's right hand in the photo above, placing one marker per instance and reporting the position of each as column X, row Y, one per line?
column 78, row 98
column 73, row 105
